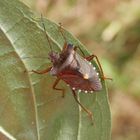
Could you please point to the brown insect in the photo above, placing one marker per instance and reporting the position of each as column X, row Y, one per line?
column 77, row 71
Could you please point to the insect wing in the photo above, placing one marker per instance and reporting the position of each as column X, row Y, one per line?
column 89, row 72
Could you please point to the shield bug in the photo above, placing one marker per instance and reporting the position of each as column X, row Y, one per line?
column 75, row 70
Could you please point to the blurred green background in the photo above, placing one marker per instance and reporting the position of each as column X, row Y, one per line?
column 111, row 30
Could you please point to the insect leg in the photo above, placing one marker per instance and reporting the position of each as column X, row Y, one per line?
column 43, row 71
column 54, row 87
column 77, row 47
column 89, row 58
column 84, row 108
column 65, row 44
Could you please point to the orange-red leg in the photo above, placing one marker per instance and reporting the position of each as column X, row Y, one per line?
column 84, row 108
column 89, row 58
column 54, row 87
column 43, row 71
column 77, row 47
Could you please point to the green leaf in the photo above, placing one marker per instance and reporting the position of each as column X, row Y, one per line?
column 29, row 108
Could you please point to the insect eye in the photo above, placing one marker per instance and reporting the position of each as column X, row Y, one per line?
column 70, row 46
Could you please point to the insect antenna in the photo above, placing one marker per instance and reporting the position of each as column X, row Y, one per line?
column 38, row 57
column 46, row 33
column 60, row 27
